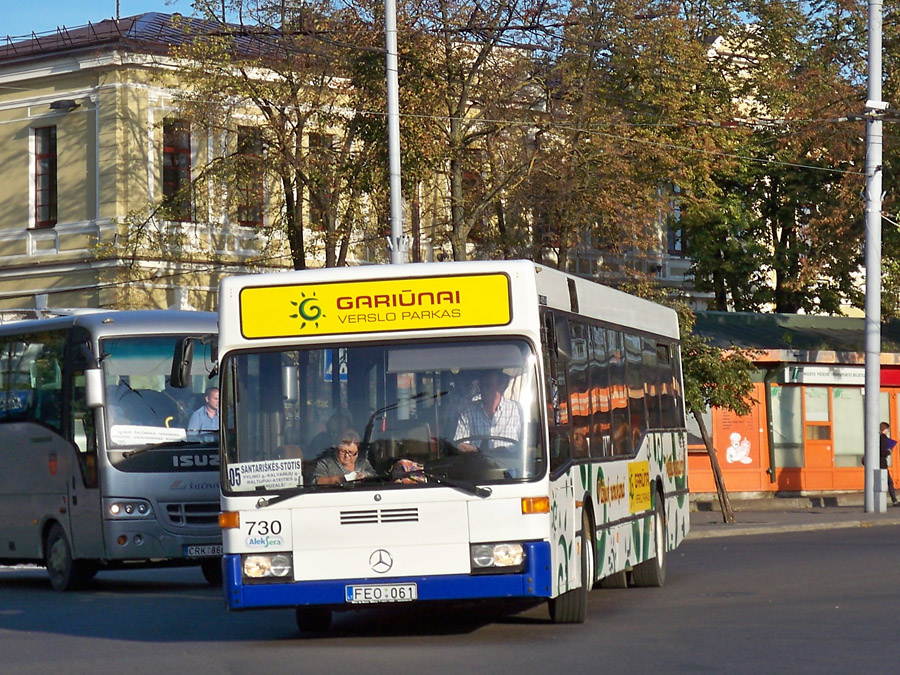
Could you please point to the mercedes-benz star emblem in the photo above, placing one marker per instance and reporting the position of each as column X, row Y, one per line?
column 381, row 561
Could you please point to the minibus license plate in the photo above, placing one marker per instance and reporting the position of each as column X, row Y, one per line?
column 370, row 593
column 202, row 551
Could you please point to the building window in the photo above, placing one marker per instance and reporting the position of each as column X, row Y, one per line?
column 177, row 169
column 250, row 176
column 45, row 177
column 787, row 426
column 675, row 241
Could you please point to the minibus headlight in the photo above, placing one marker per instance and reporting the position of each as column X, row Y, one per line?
column 119, row 508
column 268, row 565
column 505, row 557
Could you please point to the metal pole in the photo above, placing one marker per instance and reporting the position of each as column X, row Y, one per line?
column 875, row 107
column 397, row 243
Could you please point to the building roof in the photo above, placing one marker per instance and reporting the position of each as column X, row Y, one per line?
column 792, row 331
column 152, row 31
column 148, row 33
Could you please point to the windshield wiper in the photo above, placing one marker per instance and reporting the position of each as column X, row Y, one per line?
column 168, row 445
column 280, row 497
column 300, row 489
column 463, row 485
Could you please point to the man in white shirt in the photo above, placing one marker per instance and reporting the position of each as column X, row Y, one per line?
column 492, row 417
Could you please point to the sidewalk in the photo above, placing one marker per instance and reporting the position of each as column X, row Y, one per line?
column 766, row 516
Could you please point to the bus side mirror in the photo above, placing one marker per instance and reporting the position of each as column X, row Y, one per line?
column 93, row 387
column 181, row 363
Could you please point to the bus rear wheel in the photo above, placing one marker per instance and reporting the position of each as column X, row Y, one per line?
column 313, row 619
column 571, row 606
column 66, row 574
column 615, row 580
column 653, row 572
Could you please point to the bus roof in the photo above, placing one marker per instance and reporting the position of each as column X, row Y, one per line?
column 531, row 285
column 122, row 322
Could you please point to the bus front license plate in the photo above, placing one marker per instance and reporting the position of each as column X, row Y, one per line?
column 202, row 551
column 371, row 593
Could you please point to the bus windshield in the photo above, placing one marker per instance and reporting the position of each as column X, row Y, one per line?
column 409, row 414
column 143, row 410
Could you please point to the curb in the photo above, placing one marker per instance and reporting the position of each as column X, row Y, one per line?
column 723, row 530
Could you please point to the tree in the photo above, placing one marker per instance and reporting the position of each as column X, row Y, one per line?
column 713, row 378
column 484, row 91
column 286, row 73
column 780, row 225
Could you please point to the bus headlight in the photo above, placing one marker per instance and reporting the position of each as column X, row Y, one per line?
column 268, row 566
column 127, row 508
column 503, row 557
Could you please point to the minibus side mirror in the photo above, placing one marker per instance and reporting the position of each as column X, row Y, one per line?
column 93, row 387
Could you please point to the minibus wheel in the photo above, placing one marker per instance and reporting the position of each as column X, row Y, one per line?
column 65, row 573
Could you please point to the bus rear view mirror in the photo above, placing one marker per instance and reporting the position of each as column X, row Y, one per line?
column 93, row 387
column 290, row 387
column 563, row 339
column 181, row 363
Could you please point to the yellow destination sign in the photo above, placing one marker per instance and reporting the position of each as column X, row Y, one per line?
column 639, row 486
column 419, row 303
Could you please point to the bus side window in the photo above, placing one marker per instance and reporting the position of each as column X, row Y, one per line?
column 80, row 425
column 601, row 433
column 45, row 376
column 579, row 390
column 621, row 423
column 557, row 398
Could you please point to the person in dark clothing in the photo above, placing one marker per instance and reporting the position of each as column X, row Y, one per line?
column 887, row 447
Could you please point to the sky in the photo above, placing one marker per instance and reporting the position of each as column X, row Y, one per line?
column 21, row 17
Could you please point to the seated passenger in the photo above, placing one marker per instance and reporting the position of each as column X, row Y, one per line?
column 492, row 417
column 342, row 463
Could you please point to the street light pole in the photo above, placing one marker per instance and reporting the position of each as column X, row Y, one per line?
column 875, row 108
column 397, row 242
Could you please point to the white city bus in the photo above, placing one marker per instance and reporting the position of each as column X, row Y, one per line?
column 584, row 481
column 97, row 469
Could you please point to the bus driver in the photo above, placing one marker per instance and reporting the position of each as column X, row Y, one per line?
column 490, row 419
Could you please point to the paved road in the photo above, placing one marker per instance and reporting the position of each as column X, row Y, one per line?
column 822, row 601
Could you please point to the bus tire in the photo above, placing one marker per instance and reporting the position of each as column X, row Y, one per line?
column 652, row 573
column 212, row 570
column 615, row 580
column 571, row 606
column 66, row 574
column 313, row 619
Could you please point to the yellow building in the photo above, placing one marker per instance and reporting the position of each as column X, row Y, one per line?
column 89, row 147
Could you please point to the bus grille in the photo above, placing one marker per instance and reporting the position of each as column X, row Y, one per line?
column 193, row 514
column 373, row 516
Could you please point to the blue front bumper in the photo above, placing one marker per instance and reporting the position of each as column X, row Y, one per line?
column 534, row 582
